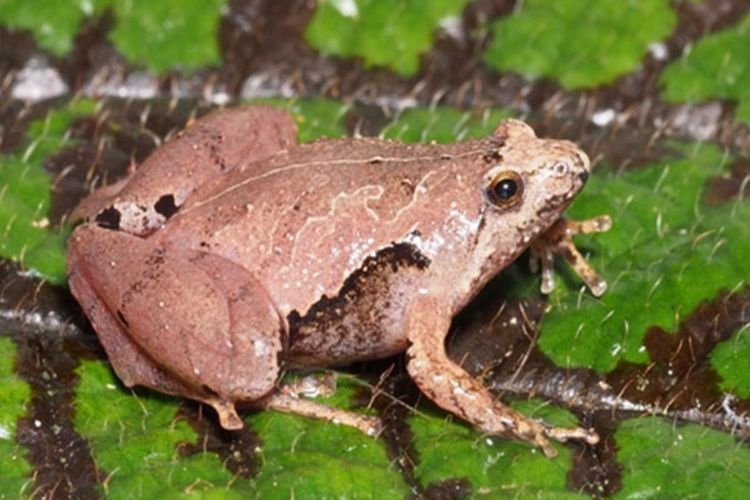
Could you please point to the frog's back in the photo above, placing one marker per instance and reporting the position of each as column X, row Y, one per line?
column 326, row 227
column 311, row 217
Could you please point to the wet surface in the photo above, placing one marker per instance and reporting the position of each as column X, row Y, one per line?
column 263, row 54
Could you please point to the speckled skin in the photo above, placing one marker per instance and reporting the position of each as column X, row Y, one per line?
column 310, row 255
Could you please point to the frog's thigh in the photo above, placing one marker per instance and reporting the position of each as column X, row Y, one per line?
column 201, row 319
column 455, row 390
column 132, row 364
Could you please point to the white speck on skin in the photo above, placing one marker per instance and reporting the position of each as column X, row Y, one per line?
column 37, row 423
column 459, row 391
column 196, row 371
column 260, row 346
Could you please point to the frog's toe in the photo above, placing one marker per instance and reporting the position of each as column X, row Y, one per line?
column 228, row 417
column 559, row 240
column 589, row 436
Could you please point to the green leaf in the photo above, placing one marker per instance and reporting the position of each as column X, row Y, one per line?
column 15, row 471
column 316, row 118
column 168, row 33
column 54, row 23
column 161, row 35
column 665, row 254
column 25, row 196
column 661, row 460
column 392, row 33
column 578, row 42
column 134, row 436
column 306, row 458
column 494, row 467
column 443, row 124
column 731, row 360
column 133, row 439
column 717, row 67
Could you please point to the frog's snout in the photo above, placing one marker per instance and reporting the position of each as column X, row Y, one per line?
column 582, row 166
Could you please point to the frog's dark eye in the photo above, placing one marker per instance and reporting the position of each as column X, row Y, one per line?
column 506, row 189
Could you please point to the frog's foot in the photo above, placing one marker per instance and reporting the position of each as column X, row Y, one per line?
column 538, row 434
column 287, row 400
column 559, row 240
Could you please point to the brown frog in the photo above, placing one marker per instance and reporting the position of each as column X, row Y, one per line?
column 233, row 254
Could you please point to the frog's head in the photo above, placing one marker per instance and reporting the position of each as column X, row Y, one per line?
column 527, row 185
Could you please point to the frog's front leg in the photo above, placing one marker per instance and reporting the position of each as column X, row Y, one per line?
column 456, row 391
column 558, row 239
column 214, row 145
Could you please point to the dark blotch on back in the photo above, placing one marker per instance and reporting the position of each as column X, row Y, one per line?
column 166, row 206
column 109, row 218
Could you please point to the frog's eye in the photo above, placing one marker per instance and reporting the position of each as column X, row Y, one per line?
column 506, row 189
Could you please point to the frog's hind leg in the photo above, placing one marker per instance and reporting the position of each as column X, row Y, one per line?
column 178, row 321
column 288, row 399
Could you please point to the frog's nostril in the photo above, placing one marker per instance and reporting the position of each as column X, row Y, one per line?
column 584, row 176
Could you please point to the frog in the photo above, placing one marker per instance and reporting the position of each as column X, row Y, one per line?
column 233, row 255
